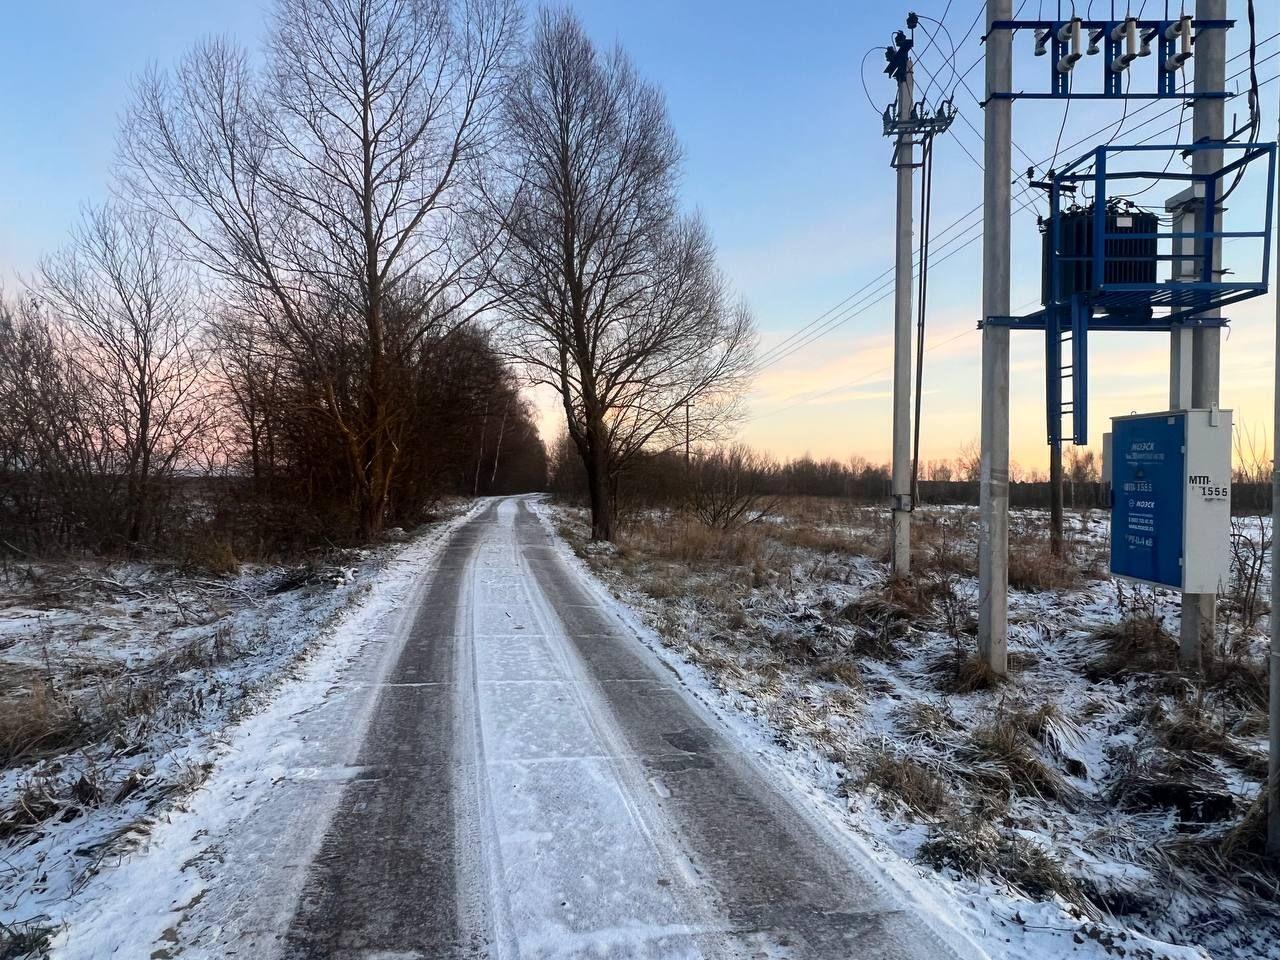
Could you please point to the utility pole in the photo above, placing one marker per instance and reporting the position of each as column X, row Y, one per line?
column 1199, row 609
column 1273, row 766
column 993, row 537
column 903, row 163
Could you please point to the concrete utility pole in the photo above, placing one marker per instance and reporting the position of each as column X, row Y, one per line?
column 1273, row 767
column 993, row 542
column 901, row 491
column 1199, row 609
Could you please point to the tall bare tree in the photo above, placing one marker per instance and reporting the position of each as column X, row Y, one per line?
column 318, row 188
column 613, row 296
column 130, row 330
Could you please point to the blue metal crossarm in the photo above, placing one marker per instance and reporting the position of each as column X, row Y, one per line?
column 1106, row 324
column 1100, row 24
column 1024, row 95
column 1104, row 39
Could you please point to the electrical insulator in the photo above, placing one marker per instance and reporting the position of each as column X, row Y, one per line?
column 1180, row 31
column 1128, row 32
column 1145, row 49
column 1070, row 32
column 1093, row 42
column 1042, row 38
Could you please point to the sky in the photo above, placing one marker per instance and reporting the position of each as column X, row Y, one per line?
column 784, row 158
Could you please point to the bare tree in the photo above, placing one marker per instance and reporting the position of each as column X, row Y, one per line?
column 252, row 373
column 939, row 470
column 130, row 332
column 969, row 462
column 613, row 297
column 728, row 487
column 1082, row 465
column 323, row 187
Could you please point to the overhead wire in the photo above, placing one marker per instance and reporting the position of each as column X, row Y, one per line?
column 922, row 299
column 844, row 311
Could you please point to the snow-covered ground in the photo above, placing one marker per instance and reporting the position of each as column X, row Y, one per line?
column 118, row 686
column 1098, row 803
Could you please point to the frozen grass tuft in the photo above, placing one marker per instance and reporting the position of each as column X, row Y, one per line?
column 1006, row 746
column 37, row 721
column 962, row 671
column 907, row 779
column 19, row 941
column 1137, row 644
column 972, row 847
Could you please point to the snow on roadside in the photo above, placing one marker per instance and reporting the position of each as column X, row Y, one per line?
column 831, row 724
column 159, row 681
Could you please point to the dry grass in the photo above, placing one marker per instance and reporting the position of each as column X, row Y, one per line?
column 888, row 612
column 932, row 722
column 826, row 540
column 1005, row 746
column 944, row 544
column 974, row 848
column 908, row 780
column 1162, row 780
column 684, row 540
column 1137, row 644
column 36, row 722
column 211, row 555
column 963, row 671
column 1236, row 857
column 1033, row 567
column 838, row 670
column 24, row 939
column 1194, row 729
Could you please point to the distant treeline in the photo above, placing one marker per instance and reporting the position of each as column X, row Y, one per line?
column 748, row 477
column 188, row 434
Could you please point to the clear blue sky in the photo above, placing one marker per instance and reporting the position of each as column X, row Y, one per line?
column 783, row 156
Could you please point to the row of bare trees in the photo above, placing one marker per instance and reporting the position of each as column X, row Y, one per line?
column 323, row 269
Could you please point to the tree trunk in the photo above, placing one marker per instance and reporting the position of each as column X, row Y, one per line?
column 597, row 464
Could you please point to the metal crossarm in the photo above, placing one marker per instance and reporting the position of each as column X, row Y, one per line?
column 1107, row 42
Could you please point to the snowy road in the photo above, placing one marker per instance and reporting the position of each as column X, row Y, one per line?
column 510, row 772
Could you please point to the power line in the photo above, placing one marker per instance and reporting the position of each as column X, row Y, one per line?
column 788, row 345
column 884, row 290
column 887, row 290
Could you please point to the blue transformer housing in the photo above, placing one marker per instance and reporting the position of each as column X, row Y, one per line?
column 1148, row 488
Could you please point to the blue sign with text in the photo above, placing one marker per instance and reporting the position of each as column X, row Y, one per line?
column 1148, row 489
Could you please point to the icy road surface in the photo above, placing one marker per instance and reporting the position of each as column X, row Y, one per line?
column 502, row 770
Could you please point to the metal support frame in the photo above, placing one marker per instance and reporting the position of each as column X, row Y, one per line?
column 1113, row 88
column 1192, row 299
column 921, row 121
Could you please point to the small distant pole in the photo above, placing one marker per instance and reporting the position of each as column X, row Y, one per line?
column 1273, row 766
